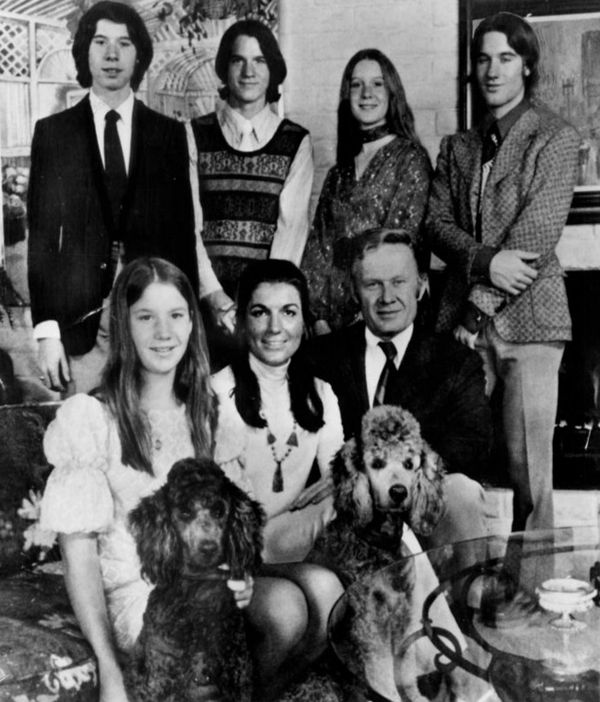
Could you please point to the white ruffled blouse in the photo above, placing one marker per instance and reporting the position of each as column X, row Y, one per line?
column 91, row 491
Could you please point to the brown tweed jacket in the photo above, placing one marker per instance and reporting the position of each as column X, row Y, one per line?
column 525, row 206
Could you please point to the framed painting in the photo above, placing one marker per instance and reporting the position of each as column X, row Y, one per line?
column 569, row 36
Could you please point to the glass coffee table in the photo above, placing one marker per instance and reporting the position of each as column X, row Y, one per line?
column 510, row 619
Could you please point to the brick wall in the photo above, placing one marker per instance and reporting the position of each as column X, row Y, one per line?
column 419, row 36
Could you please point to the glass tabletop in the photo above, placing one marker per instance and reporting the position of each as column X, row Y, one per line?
column 505, row 618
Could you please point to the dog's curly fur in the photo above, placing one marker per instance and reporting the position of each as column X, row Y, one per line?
column 193, row 641
column 389, row 477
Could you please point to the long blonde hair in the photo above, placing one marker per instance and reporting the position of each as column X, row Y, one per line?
column 122, row 379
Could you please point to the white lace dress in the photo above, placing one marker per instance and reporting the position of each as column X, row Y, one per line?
column 91, row 491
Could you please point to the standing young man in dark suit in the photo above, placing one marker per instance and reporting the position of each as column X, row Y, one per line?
column 109, row 182
column 436, row 379
column 499, row 201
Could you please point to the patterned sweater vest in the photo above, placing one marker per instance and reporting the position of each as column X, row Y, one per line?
column 239, row 191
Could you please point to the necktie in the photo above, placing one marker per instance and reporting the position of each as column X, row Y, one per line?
column 389, row 350
column 491, row 142
column 115, row 174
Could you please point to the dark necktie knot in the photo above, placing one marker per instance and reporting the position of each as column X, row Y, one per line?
column 491, row 142
column 112, row 117
column 389, row 350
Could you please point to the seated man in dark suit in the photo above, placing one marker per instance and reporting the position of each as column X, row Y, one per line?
column 387, row 359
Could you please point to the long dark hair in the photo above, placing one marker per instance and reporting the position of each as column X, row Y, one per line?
column 306, row 404
column 519, row 36
column 118, row 13
column 270, row 50
column 399, row 118
column 122, row 379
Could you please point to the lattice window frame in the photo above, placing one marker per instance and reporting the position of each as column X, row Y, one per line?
column 14, row 49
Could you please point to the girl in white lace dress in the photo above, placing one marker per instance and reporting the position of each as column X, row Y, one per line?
column 154, row 406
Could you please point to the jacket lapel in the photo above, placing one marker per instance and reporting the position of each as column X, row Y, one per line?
column 468, row 161
column 139, row 141
column 353, row 366
column 411, row 376
column 510, row 154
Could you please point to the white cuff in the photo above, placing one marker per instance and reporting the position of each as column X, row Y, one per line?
column 46, row 330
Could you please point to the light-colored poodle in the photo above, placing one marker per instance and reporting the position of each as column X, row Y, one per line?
column 385, row 479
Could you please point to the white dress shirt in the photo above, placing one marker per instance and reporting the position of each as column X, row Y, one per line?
column 292, row 222
column 49, row 329
column 375, row 358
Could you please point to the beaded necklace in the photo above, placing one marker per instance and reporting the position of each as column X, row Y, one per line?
column 291, row 443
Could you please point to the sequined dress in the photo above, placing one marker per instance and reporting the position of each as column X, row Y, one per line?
column 91, row 491
column 391, row 192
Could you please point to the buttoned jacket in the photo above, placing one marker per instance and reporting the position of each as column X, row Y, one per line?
column 524, row 206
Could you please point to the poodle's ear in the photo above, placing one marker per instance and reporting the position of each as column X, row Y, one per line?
column 158, row 544
column 243, row 538
column 427, row 492
column 353, row 499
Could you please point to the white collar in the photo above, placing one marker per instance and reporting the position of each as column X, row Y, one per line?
column 125, row 109
column 261, row 124
column 400, row 341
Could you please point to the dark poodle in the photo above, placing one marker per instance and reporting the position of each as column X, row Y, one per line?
column 193, row 642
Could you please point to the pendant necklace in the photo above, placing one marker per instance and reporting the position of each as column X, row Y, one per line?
column 291, row 443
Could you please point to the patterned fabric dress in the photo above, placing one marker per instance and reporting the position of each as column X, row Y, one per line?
column 392, row 192
column 90, row 490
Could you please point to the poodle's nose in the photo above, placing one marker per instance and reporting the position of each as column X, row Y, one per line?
column 398, row 493
column 208, row 550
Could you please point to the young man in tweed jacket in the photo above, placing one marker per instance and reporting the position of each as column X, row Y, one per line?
column 499, row 201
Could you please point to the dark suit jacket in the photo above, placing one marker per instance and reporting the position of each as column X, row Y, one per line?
column 525, row 205
column 70, row 224
column 440, row 381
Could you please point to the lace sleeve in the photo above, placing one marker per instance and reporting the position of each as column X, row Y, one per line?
column 77, row 497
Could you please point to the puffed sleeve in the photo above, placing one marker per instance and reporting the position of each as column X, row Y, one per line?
column 77, row 497
column 331, row 434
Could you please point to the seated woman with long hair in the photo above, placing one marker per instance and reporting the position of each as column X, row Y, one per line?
column 277, row 426
column 380, row 179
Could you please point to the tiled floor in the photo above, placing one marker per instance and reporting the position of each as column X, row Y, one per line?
column 571, row 508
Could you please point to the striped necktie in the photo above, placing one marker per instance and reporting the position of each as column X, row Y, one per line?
column 390, row 352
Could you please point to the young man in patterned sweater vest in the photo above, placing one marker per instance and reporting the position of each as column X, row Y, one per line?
column 252, row 169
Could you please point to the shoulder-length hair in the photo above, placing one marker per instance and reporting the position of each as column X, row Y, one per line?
column 520, row 37
column 399, row 118
column 118, row 13
column 306, row 405
column 270, row 50
column 122, row 378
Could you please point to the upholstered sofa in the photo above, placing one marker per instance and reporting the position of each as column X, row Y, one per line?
column 43, row 656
